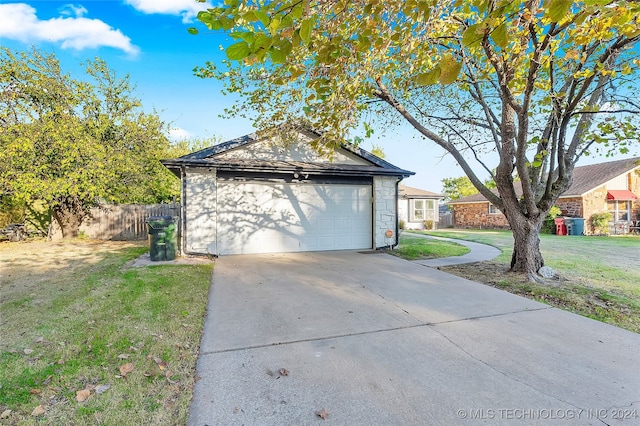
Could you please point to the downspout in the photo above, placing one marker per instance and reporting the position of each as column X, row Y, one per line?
column 397, row 221
column 183, row 208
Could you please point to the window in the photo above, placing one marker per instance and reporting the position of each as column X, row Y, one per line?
column 418, row 210
column 493, row 209
column 422, row 210
column 620, row 210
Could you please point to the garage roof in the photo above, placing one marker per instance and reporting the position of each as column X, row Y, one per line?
column 206, row 158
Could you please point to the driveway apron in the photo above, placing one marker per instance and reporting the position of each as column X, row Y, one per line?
column 372, row 339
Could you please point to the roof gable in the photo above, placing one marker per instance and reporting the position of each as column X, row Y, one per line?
column 587, row 178
column 252, row 152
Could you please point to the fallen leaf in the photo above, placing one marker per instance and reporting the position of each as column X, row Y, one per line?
column 82, row 395
column 28, row 351
column 123, row 356
column 323, row 414
column 35, row 391
column 126, row 369
column 39, row 340
column 38, row 411
column 284, row 372
column 47, row 380
column 102, row 388
column 5, row 414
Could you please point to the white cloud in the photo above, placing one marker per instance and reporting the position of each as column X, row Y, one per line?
column 73, row 10
column 19, row 22
column 188, row 9
column 178, row 134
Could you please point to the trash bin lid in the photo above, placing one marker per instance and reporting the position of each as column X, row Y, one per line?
column 159, row 219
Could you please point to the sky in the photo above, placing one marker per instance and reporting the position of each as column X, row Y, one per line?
column 148, row 40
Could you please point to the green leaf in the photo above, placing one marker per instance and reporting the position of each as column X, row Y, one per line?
column 450, row 68
column 305, row 30
column 429, row 78
column 262, row 41
column 499, row 36
column 471, row 36
column 262, row 17
column 558, row 9
column 192, row 30
column 238, row 51
column 277, row 55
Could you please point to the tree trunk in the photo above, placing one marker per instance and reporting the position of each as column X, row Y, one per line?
column 69, row 214
column 526, row 256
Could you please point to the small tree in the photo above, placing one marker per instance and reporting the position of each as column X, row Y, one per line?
column 70, row 143
column 539, row 85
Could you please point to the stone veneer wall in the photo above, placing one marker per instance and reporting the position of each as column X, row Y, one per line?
column 476, row 215
column 384, row 210
column 571, row 206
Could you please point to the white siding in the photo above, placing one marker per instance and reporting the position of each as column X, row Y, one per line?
column 621, row 182
column 200, row 197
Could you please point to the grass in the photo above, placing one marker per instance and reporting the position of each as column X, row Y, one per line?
column 72, row 329
column 599, row 277
column 413, row 248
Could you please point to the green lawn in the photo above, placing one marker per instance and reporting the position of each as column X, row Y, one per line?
column 599, row 276
column 125, row 338
column 413, row 248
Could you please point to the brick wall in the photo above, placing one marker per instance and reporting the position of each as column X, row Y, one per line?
column 571, row 206
column 476, row 215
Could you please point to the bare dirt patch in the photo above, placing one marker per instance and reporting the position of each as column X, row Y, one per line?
column 26, row 264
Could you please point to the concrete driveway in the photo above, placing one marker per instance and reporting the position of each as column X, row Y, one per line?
column 376, row 340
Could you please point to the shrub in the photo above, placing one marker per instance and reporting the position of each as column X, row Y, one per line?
column 600, row 222
column 549, row 226
column 401, row 224
column 428, row 224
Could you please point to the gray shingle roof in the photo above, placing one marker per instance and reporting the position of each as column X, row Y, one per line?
column 410, row 192
column 585, row 179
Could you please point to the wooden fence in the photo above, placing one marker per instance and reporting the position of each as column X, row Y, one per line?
column 445, row 220
column 120, row 222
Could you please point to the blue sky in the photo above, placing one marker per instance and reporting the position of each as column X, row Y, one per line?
column 148, row 40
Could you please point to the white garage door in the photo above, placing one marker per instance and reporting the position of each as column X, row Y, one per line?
column 284, row 217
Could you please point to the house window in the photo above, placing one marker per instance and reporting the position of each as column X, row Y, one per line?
column 422, row 210
column 620, row 210
column 418, row 210
column 493, row 209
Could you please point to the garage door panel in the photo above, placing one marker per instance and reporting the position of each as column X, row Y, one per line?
column 272, row 217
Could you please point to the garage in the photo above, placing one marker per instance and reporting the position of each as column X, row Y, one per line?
column 286, row 217
column 251, row 195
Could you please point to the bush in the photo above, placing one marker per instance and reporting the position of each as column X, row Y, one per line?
column 549, row 226
column 428, row 224
column 401, row 224
column 600, row 222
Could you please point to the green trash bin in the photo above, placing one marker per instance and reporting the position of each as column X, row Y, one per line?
column 162, row 238
column 578, row 226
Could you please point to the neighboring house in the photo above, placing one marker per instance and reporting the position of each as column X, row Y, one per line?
column 249, row 195
column 605, row 187
column 415, row 206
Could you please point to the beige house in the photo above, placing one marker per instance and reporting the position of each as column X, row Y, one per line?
column 605, row 187
column 417, row 208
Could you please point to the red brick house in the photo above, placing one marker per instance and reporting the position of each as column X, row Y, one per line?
column 613, row 186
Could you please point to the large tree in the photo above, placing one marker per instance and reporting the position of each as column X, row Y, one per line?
column 72, row 143
column 539, row 85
